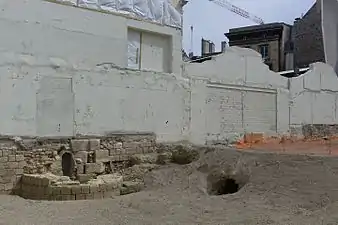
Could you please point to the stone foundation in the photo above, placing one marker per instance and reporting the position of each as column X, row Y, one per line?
column 82, row 160
column 11, row 170
column 55, row 188
column 314, row 131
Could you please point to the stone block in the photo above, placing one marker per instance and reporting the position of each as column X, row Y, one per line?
column 3, row 159
column 118, row 145
column 83, row 155
column 12, row 165
column 66, row 190
column 95, row 168
column 79, row 145
column 101, row 155
column 85, row 189
column 94, row 188
column 97, row 195
column 76, row 189
column 11, row 158
column 94, row 144
column 80, row 169
column 19, row 171
column 80, row 197
column 9, row 186
column 19, row 158
column 84, row 178
column 56, row 190
column 89, row 196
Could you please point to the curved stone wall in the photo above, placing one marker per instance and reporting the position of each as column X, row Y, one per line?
column 56, row 188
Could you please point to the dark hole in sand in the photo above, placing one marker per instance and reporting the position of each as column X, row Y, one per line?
column 224, row 186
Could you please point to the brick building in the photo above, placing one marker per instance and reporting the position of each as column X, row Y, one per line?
column 308, row 39
column 283, row 46
column 268, row 39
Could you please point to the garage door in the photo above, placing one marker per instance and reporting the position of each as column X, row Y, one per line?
column 260, row 111
column 224, row 113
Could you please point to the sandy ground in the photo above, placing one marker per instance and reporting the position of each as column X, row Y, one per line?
column 282, row 189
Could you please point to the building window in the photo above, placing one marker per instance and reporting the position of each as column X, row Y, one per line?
column 264, row 50
column 149, row 51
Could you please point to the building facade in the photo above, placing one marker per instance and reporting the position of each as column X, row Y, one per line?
column 270, row 40
column 307, row 38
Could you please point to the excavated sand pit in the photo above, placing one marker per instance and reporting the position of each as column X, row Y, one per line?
column 223, row 186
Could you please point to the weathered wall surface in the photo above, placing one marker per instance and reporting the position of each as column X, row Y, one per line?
column 235, row 93
column 61, row 75
column 65, row 75
column 314, row 97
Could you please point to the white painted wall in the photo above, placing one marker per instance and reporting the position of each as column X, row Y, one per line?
column 62, row 73
column 78, row 36
column 51, row 84
column 314, row 96
column 236, row 93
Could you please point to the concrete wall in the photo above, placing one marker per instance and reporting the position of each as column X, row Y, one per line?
column 78, row 36
column 314, row 97
column 329, row 24
column 62, row 74
column 236, row 93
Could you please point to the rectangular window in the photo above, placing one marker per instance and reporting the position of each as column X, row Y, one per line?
column 149, row 51
column 264, row 50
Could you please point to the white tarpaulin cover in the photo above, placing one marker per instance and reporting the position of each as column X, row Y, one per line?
column 160, row 11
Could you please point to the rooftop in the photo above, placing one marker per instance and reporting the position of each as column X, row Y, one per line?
column 257, row 27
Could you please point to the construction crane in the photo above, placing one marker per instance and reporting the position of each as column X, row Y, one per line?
column 238, row 11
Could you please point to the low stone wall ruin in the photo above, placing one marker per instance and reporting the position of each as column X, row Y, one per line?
column 55, row 188
column 87, row 166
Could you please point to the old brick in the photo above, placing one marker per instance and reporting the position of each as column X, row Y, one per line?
column 56, row 190
column 79, row 145
column 19, row 158
column 11, row 158
column 96, row 168
column 12, row 165
column 80, row 197
column 94, row 144
column 97, row 195
column 21, row 164
column 84, row 178
column 101, row 155
column 94, row 188
column 76, row 190
column 83, row 155
column 9, row 186
column 3, row 159
column 19, row 171
column 66, row 190
column 89, row 196
column 85, row 189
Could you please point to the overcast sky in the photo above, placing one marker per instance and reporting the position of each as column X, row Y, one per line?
column 211, row 21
